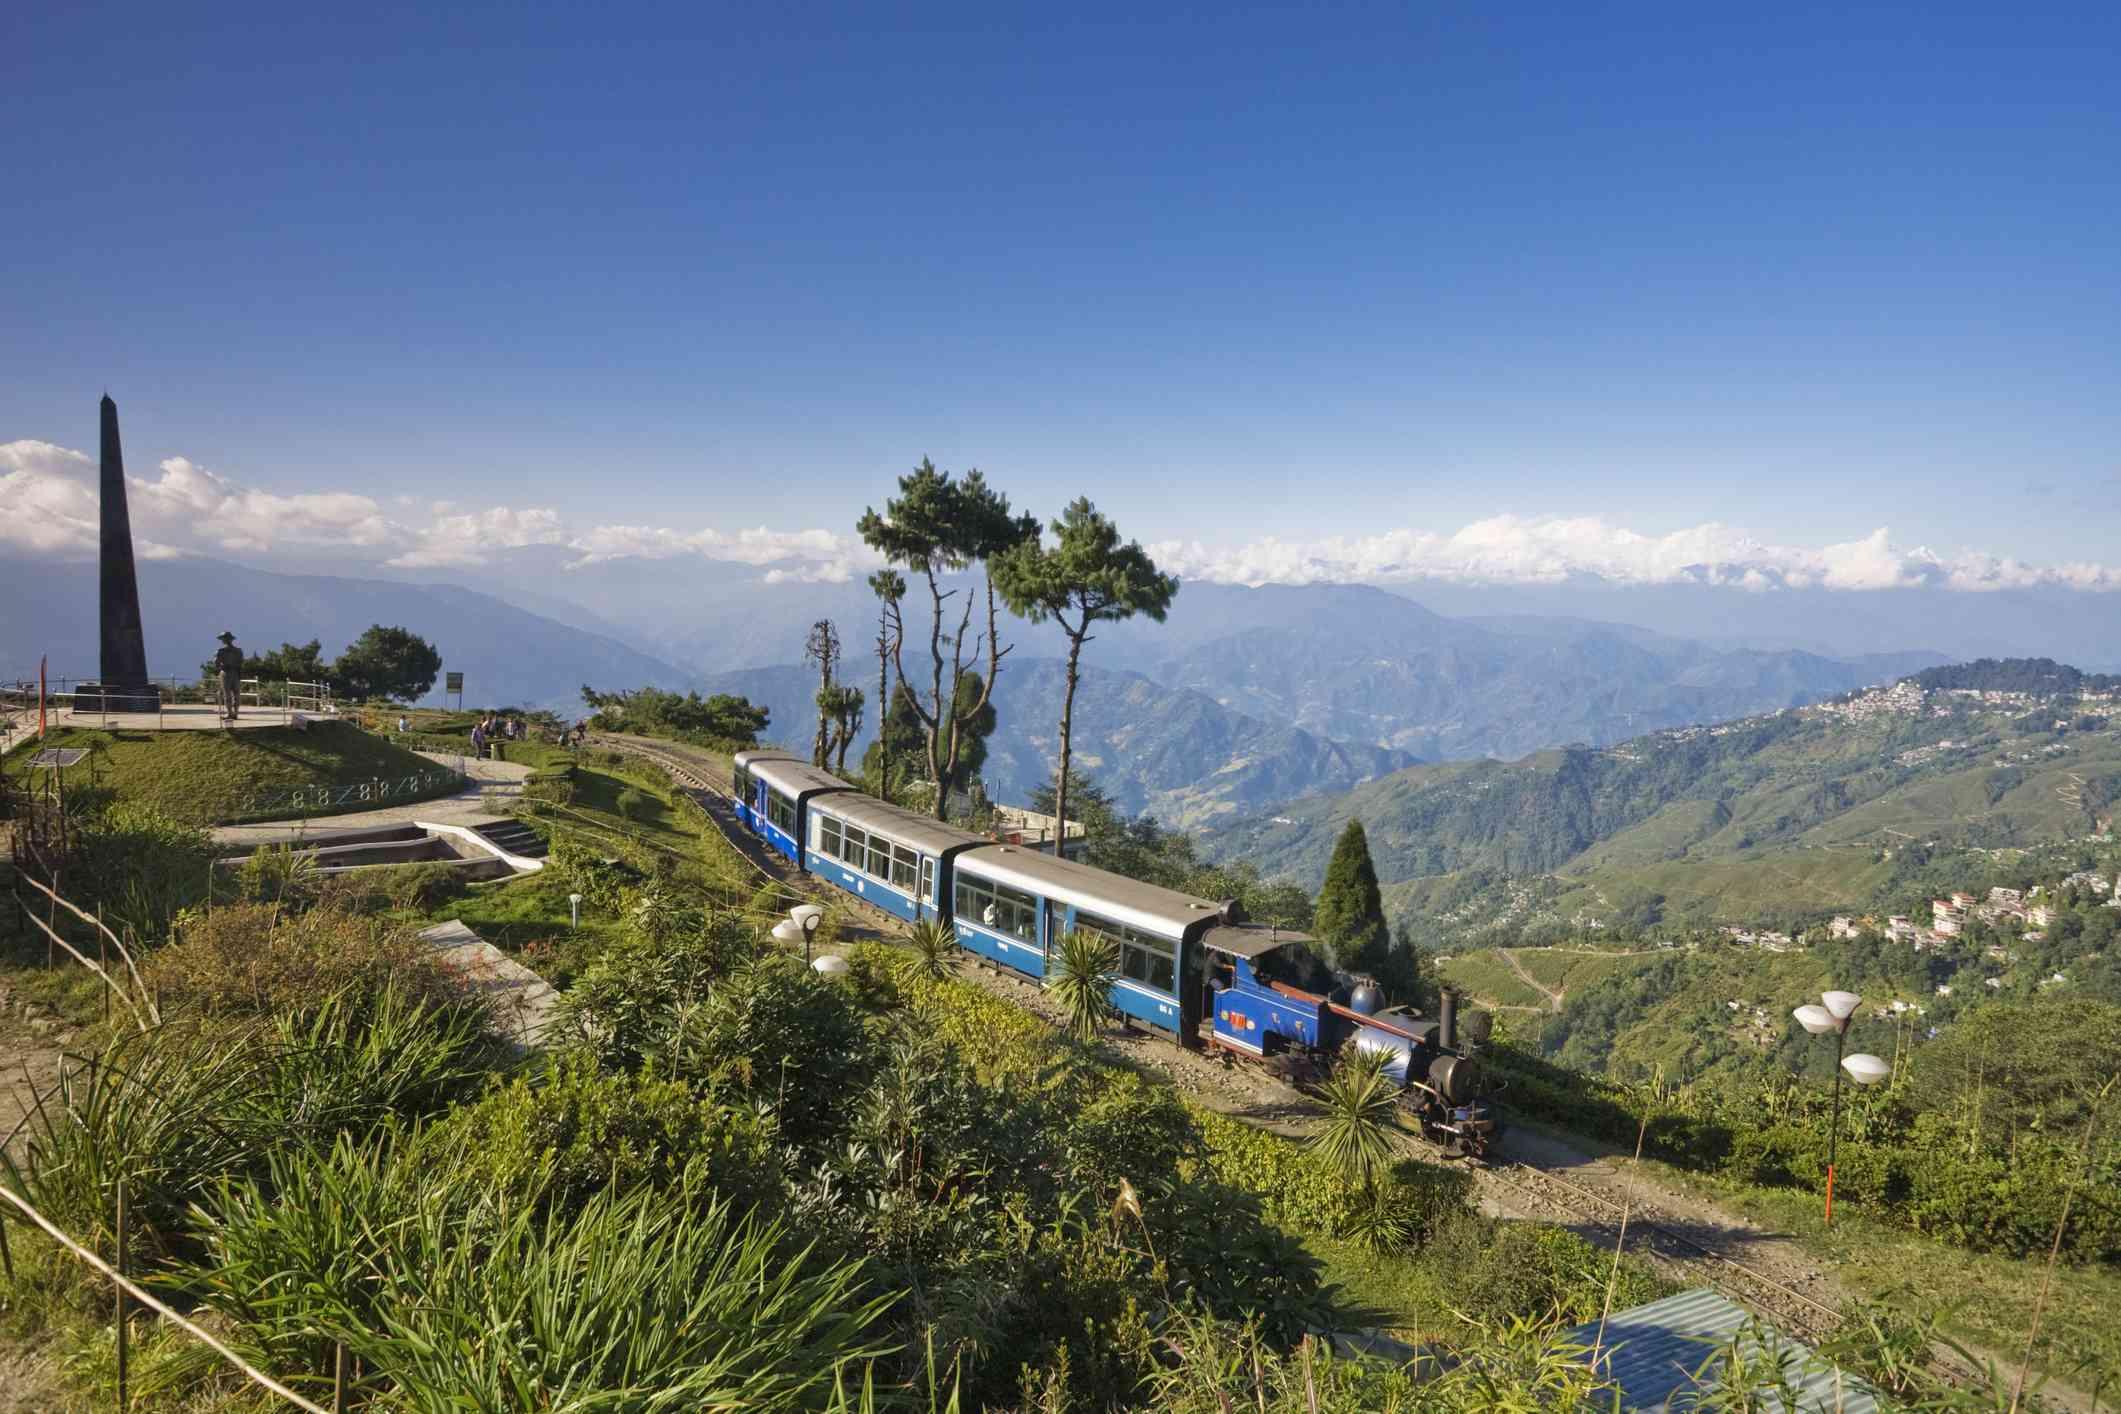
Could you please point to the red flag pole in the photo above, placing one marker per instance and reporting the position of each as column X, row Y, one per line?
column 40, row 697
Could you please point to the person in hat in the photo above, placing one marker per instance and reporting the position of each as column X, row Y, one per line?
column 229, row 664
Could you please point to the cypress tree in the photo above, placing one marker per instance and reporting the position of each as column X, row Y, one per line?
column 1350, row 920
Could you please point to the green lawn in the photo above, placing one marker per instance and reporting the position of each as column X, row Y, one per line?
column 211, row 777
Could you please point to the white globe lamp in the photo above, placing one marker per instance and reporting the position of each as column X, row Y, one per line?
column 1816, row 1019
column 1865, row 1069
column 830, row 966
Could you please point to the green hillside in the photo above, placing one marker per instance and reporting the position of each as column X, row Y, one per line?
column 1794, row 814
column 213, row 777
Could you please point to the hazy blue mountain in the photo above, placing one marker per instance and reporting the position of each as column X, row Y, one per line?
column 1362, row 665
column 1173, row 753
column 509, row 656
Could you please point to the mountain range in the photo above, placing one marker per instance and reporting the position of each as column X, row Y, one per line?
column 508, row 654
column 1176, row 754
column 1821, row 808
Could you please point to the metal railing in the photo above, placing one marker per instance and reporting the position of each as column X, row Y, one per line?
column 19, row 695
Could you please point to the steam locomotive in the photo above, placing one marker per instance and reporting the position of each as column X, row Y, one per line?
column 1276, row 1001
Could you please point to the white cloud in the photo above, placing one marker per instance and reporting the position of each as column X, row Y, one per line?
column 48, row 506
column 471, row 537
column 48, row 500
column 758, row 546
column 1549, row 550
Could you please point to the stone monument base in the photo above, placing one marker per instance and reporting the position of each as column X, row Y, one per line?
column 117, row 697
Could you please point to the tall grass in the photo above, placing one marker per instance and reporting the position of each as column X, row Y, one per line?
column 644, row 1301
column 177, row 1111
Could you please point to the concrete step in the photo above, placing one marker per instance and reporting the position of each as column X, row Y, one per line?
column 517, row 839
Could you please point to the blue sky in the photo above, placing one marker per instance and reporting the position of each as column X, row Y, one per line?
column 1308, row 272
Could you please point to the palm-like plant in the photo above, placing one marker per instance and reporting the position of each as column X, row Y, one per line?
column 935, row 950
column 1081, row 981
column 1355, row 1137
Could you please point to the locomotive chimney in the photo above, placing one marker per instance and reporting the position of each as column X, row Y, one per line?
column 1447, row 1028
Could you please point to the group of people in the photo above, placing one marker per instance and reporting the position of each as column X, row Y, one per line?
column 496, row 729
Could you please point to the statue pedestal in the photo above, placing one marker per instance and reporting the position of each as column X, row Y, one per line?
column 117, row 697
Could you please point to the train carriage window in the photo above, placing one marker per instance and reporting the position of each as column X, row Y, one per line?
column 928, row 880
column 828, row 836
column 1143, row 957
column 743, row 785
column 880, row 857
column 904, row 865
column 781, row 811
column 856, row 848
column 997, row 907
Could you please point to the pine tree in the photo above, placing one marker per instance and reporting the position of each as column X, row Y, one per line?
column 1350, row 920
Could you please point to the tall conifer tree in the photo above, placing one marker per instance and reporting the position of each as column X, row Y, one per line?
column 1350, row 920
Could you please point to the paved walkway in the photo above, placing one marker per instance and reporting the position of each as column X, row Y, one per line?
column 470, row 806
column 521, row 999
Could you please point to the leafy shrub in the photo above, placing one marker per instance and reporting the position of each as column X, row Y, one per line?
column 554, row 784
column 636, row 805
column 279, row 874
column 626, row 1002
column 775, row 1031
column 1498, row 1270
column 602, row 885
column 569, row 1132
column 254, row 959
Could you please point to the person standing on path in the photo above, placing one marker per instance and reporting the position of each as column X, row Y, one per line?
column 478, row 741
column 228, row 662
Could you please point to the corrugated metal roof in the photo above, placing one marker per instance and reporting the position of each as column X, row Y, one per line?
column 895, row 823
column 1250, row 939
column 792, row 777
column 1165, row 912
column 1656, row 1353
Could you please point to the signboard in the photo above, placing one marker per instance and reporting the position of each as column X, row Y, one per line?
column 452, row 682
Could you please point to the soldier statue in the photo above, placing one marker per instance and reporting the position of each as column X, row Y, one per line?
column 229, row 664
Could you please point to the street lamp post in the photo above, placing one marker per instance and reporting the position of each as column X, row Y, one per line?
column 1833, row 1012
column 802, row 922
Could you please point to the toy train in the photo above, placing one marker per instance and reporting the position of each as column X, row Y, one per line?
column 1187, row 966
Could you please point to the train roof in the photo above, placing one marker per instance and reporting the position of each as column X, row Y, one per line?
column 793, row 776
column 1123, row 900
column 1249, row 940
column 896, row 823
column 770, row 753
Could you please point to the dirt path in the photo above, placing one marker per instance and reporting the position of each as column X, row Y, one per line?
column 1553, row 997
column 32, row 1041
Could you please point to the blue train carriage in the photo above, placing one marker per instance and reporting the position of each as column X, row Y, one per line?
column 773, row 791
column 749, row 791
column 883, row 854
column 1267, row 990
column 1013, row 906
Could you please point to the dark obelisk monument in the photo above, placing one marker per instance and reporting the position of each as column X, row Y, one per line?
column 124, row 687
